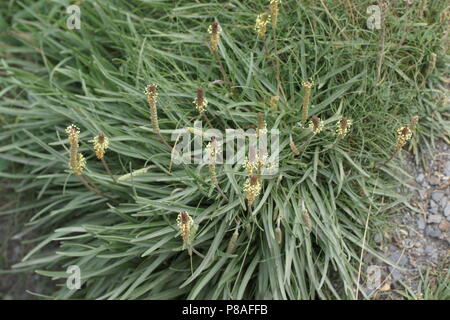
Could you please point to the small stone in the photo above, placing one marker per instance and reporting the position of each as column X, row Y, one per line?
column 444, row 225
column 437, row 196
column 377, row 238
column 398, row 258
column 434, row 218
column 447, row 168
column 447, row 210
column 421, row 223
column 429, row 249
column 434, row 180
column 395, row 274
column 420, row 178
column 433, row 210
column 433, row 204
column 444, row 202
column 432, row 231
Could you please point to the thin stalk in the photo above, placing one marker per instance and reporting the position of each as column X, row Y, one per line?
column 222, row 69
column 105, row 165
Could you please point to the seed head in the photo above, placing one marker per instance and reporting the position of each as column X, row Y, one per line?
column 262, row 125
column 77, row 162
column 101, row 143
column 403, row 135
column 233, row 240
column 185, row 224
column 316, row 124
column 414, row 122
column 294, row 148
column 307, row 220
column 308, row 84
column 306, row 100
column 212, row 150
column 261, row 23
column 214, row 30
column 200, row 102
column 73, row 132
column 343, row 126
column 80, row 165
column 274, row 101
column 252, row 188
column 273, row 6
column 152, row 95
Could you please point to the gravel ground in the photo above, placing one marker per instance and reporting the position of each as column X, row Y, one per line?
column 416, row 241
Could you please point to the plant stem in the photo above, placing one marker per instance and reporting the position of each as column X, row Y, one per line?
column 105, row 165
column 222, row 69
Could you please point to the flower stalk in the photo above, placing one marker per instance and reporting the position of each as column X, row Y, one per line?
column 152, row 95
column 215, row 30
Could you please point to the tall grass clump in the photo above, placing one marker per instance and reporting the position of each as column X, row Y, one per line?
column 151, row 228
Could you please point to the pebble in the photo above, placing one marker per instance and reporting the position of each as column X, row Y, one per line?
column 396, row 275
column 444, row 225
column 444, row 202
column 429, row 249
column 447, row 210
column 434, row 180
column 433, row 204
column 377, row 238
column 398, row 258
column 433, row 210
column 434, row 218
column 420, row 178
column 447, row 168
column 432, row 231
column 437, row 196
column 421, row 223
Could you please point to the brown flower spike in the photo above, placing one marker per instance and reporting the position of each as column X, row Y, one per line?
column 101, row 143
column 316, row 124
column 214, row 30
column 200, row 102
column 185, row 224
column 151, row 93
column 252, row 189
column 77, row 162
